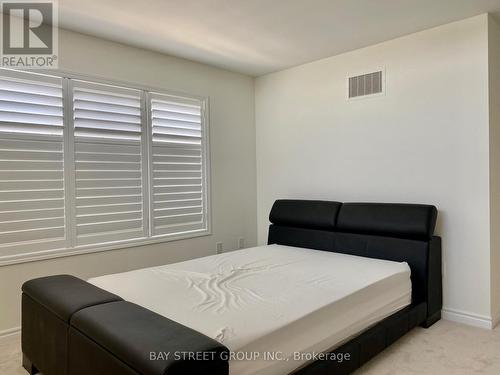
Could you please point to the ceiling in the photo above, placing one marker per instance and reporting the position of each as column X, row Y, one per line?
column 260, row 36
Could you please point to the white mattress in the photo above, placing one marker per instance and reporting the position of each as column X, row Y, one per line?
column 270, row 299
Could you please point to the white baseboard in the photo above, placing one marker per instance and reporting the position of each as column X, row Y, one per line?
column 496, row 320
column 10, row 332
column 468, row 318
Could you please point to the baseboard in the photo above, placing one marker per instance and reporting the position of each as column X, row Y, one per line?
column 496, row 320
column 475, row 320
column 10, row 332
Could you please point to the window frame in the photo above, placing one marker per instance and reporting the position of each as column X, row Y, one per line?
column 26, row 254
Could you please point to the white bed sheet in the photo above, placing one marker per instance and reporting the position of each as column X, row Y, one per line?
column 272, row 298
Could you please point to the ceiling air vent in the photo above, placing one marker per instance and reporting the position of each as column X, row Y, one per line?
column 365, row 84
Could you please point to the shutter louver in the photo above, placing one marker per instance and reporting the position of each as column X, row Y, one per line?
column 31, row 163
column 178, row 165
column 108, row 163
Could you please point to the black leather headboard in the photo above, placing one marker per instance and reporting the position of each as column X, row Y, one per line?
column 388, row 219
column 305, row 214
column 397, row 232
column 415, row 221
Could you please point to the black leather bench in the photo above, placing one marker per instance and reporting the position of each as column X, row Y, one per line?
column 153, row 344
column 66, row 321
column 48, row 303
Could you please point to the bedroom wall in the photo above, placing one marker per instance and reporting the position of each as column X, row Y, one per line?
column 425, row 141
column 232, row 136
column 494, row 97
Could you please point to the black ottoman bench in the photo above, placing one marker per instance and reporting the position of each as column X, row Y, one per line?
column 48, row 303
column 142, row 342
column 67, row 321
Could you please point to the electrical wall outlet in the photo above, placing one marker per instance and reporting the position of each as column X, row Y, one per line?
column 218, row 248
column 241, row 243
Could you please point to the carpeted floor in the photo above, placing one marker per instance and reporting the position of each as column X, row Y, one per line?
column 444, row 349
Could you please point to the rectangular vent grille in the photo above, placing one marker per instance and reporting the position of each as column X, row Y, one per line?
column 366, row 84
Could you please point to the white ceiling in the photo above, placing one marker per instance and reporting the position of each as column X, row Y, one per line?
column 260, row 36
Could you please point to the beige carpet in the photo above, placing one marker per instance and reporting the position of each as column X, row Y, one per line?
column 444, row 349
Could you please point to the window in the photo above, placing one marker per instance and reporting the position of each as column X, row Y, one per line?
column 31, row 164
column 108, row 142
column 177, row 165
column 87, row 166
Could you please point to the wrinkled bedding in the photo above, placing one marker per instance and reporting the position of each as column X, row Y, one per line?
column 270, row 298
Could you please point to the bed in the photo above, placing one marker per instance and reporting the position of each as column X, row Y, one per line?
column 336, row 284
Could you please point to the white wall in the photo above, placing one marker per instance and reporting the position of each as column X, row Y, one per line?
column 232, row 135
column 425, row 141
column 494, row 91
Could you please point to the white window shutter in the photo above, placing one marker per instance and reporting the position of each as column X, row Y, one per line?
column 31, row 163
column 87, row 165
column 109, row 168
column 178, row 165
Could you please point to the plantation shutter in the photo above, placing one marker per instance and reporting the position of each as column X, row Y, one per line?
column 109, row 171
column 179, row 190
column 31, row 163
column 87, row 165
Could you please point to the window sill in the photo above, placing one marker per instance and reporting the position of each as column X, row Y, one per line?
column 89, row 249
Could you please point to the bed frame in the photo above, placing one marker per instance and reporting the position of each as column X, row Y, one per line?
column 397, row 232
column 70, row 327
